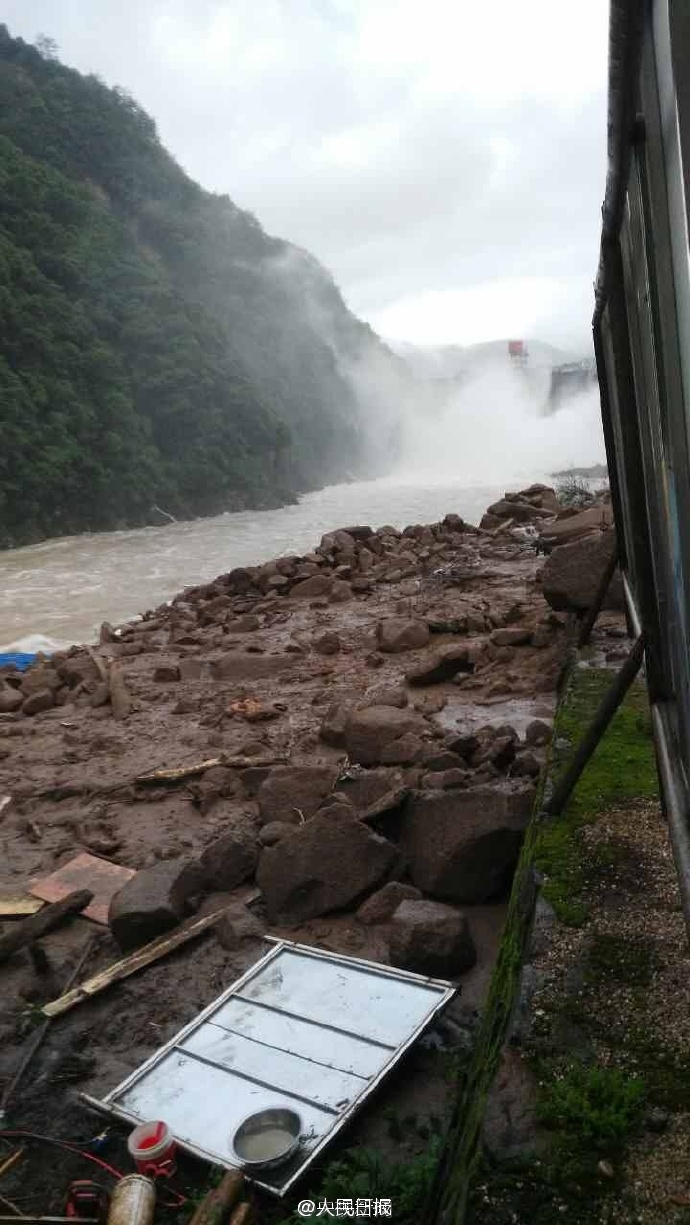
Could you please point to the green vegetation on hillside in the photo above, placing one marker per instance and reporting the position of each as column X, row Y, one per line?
column 156, row 346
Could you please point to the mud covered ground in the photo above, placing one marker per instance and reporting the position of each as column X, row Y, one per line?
column 259, row 666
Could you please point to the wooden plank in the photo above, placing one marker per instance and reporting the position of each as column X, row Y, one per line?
column 130, row 965
column 19, row 906
column 40, row 924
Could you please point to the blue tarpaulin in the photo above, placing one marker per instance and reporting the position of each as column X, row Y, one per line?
column 16, row 659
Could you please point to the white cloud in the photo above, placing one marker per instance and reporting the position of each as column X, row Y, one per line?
column 436, row 154
column 494, row 310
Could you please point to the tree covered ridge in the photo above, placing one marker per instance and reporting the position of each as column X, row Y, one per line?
column 156, row 346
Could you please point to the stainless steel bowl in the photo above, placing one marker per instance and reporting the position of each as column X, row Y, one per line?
column 261, row 1131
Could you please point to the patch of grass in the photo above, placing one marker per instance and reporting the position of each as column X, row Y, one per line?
column 362, row 1173
column 623, row 768
column 665, row 1069
column 558, row 857
column 597, row 1107
column 619, row 959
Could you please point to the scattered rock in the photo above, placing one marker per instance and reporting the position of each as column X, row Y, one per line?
column 214, row 784
column 572, row 574
column 430, row 938
column 382, row 905
column 312, row 588
column 340, row 591
column 368, row 731
column 154, row 901
column 166, row 672
column 525, row 766
column 444, row 780
column 291, row 790
column 374, row 793
column 498, row 749
column 244, row 625
column 231, row 859
column 463, row 845
column 441, row 759
column 233, row 928
column 401, row 634
column 10, row 699
column 42, row 699
column 78, row 669
column 334, row 727
column 327, row 864
column 373, row 660
column 39, row 677
column 511, row 637
column 387, row 695
column 275, row 830
column 538, row 732
column 576, row 525
column 462, row 743
column 327, row 644
column 441, row 666
column 360, row 532
column 402, row 752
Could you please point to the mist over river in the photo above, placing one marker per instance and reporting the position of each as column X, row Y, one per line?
column 491, row 437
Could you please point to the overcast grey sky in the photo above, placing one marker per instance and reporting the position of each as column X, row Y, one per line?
column 444, row 158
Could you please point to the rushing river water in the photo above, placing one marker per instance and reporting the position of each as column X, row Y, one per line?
column 60, row 591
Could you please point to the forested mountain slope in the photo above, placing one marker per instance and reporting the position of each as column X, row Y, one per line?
column 156, row 346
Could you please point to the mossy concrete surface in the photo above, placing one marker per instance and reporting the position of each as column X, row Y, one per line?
column 603, row 1033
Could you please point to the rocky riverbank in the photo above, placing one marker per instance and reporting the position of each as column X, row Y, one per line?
column 340, row 748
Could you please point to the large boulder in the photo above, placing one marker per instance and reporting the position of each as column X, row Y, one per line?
column 40, row 699
column 154, row 901
column 78, row 669
column 575, row 526
column 401, row 634
column 328, row 864
column 368, row 732
column 10, row 699
column 572, row 573
column 442, row 665
column 334, row 725
column 430, row 938
column 375, row 793
column 41, row 676
column 518, row 509
column 312, row 588
column 462, row 845
column 291, row 790
column 230, row 860
column 382, row 905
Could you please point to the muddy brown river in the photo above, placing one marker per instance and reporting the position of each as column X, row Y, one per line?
column 60, row 591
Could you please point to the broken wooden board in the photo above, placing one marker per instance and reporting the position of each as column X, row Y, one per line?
column 23, row 934
column 19, row 906
column 85, row 871
column 130, row 965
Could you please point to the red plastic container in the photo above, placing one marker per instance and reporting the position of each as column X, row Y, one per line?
column 153, row 1149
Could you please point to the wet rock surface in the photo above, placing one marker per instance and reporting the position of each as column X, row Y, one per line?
column 463, row 845
column 431, row 938
column 154, row 901
column 362, row 783
column 327, row 864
